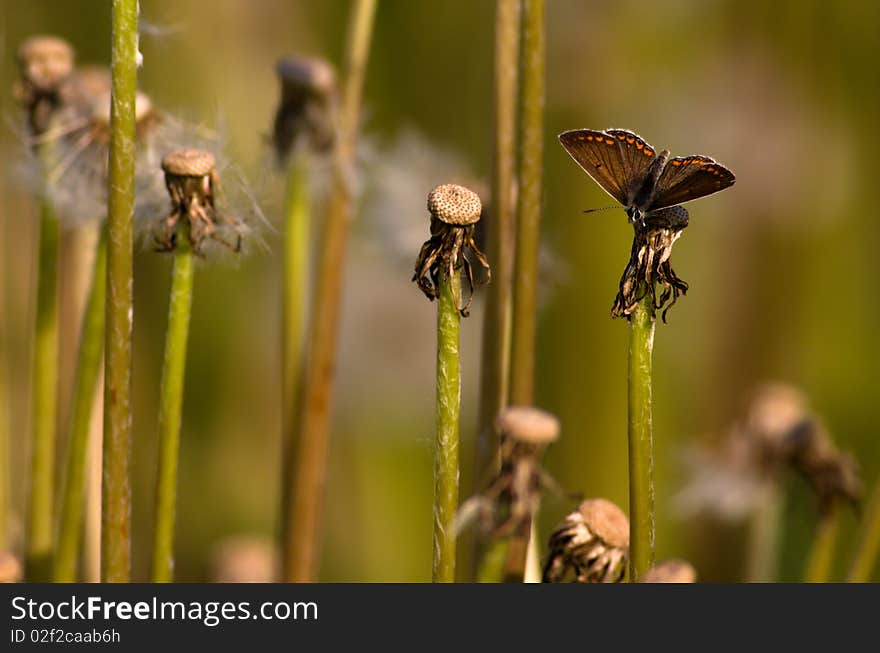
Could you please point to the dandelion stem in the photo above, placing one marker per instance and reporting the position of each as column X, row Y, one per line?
column 116, row 483
column 821, row 557
column 88, row 370
column 303, row 526
column 763, row 544
column 525, row 273
column 496, row 325
column 295, row 293
column 45, row 402
column 171, row 405
column 865, row 559
column 528, row 222
column 641, row 438
column 446, row 445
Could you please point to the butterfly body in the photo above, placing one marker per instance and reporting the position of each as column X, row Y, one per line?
column 644, row 182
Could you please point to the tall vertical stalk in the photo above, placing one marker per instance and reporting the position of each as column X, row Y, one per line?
column 88, row 371
column 446, row 445
column 116, row 484
column 868, row 548
column 171, row 405
column 820, row 560
column 303, row 524
column 525, row 274
column 295, row 293
column 45, row 402
column 763, row 542
column 495, row 365
column 528, row 222
column 641, row 438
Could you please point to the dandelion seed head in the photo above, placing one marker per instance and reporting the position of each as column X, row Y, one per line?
column 307, row 109
column 528, row 425
column 454, row 204
column 44, row 62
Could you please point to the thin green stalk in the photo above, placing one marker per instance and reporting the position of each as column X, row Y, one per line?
column 171, row 405
column 493, row 561
column 641, row 439
column 763, row 544
column 528, row 224
column 446, row 445
column 525, row 273
column 38, row 551
column 495, row 366
column 865, row 559
column 304, row 519
column 88, row 371
column 116, row 483
column 297, row 227
column 820, row 561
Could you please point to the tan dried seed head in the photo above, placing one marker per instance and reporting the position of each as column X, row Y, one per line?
column 10, row 568
column 528, row 425
column 454, row 204
column 671, row 571
column 775, row 411
column 606, row 521
column 313, row 74
column 188, row 163
column 44, row 61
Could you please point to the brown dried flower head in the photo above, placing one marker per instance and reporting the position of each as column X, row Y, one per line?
column 244, row 559
column 670, row 571
column 308, row 105
column 454, row 211
column 192, row 181
column 649, row 264
column 44, row 63
column 10, row 568
column 511, row 499
column 591, row 545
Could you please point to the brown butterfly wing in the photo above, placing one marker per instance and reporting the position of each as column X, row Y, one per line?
column 687, row 178
column 616, row 159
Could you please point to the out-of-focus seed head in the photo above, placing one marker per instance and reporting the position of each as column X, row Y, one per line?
column 308, row 105
column 454, row 204
column 528, row 425
column 189, row 163
column 774, row 413
column 591, row 545
column 44, row 62
column 244, row 559
column 10, row 568
column 670, row 571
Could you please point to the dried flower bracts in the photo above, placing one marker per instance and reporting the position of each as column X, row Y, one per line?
column 44, row 63
column 192, row 181
column 454, row 212
column 591, row 545
column 649, row 263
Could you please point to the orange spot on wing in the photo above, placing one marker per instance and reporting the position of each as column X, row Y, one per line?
column 608, row 141
column 676, row 163
column 639, row 146
column 620, row 137
column 630, row 140
column 589, row 138
column 647, row 152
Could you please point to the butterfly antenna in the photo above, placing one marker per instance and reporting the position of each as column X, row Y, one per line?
column 604, row 208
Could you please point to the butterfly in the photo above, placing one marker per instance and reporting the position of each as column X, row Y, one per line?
column 631, row 171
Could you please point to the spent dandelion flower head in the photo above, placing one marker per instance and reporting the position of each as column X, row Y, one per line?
column 307, row 109
column 454, row 211
column 44, row 63
column 511, row 498
column 244, row 559
column 670, row 571
column 197, row 204
column 591, row 545
column 10, row 568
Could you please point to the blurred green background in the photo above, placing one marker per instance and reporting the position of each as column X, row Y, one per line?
column 782, row 267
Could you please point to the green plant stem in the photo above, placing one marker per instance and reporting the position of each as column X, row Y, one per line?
column 865, row 558
column 763, row 544
column 528, row 227
column 525, row 273
column 116, row 483
column 493, row 561
column 171, row 406
column 38, row 551
column 446, row 444
column 641, row 438
column 820, row 560
column 496, row 324
column 304, row 521
column 295, row 293
column 88, row 371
